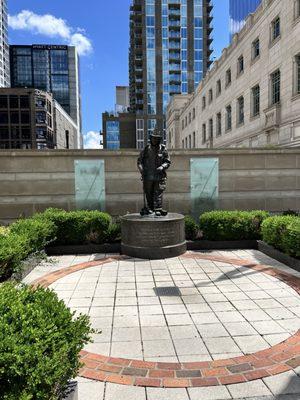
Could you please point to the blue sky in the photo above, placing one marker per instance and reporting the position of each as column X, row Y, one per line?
column 101, row 29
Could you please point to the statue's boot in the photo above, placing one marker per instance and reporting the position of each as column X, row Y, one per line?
column 159, row 212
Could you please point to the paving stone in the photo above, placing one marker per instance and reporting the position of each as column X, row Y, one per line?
column 248, row 389
column 279, row 313
column 152, row 320
column 222, row 306
column 276, row 338
column 245, row 305
column 240, row 328
column 251, row 344
column 255, row 315
column 155, row 333
column 209, row 393
column 190, row 346
column 267, row 327
column 221, row 345
column 204, row 318
column 230, row 316
column 179, row 319
column 129, row 321
column 151, row 310
column 118, row 392
column 91, row 390
column 166, row 394
column 154, row 348
column 126, row 349
column 126, row 334
column 183, row 332
column 286, row 383
column 212, row 330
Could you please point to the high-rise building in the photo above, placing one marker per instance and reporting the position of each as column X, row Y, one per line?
column 238, row 12
column 169, row 54
column 4, row 48
column 51, row 68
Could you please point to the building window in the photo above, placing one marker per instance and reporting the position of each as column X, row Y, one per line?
column 186, row 121
column 194, row 140
column 219, row 87
column 275, row 87
column 190, row 141
column 240, row 65
column 219, row 124
column 67, row 140
column 275, row 29
column 203, row 102
column 211, row 128
column 297, row 64
column 210, row 96
column 228, row 118
column 186, row 143
column 228, row 77
column 190, row 118
column 203, row 133
column 255, row 49
column 182, row 124
column 255, row 101
column 182, row 144
column 240, row 110
column 194, row 113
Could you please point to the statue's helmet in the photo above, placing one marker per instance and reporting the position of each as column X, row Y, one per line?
column 156, row 134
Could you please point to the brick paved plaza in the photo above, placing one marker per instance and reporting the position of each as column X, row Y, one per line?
column 207, row 325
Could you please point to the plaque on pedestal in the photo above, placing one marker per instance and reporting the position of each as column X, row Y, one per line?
column 151, row 237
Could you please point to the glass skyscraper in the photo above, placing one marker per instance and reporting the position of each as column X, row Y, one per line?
column 238, row 11
column 51, row 68
column 169, row 54
column 4, row 48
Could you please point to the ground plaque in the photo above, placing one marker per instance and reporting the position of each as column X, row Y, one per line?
column 153, row 237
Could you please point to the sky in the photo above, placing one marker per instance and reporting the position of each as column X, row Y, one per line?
column 100, row 30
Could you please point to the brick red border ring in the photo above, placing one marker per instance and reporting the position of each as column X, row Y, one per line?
column 275, row 360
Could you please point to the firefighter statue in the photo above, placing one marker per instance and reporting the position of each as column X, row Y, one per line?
column 152, row 163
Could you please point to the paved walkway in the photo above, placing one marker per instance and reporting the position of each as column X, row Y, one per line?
column 203, row 326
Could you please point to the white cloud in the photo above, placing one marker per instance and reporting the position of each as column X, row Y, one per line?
column 49, row 25
column 83, row 44
column 91, row 140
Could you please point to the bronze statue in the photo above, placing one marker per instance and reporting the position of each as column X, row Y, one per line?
column 152, row 163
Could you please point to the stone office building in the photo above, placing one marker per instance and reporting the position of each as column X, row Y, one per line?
column 251, row 96
column 32, row 119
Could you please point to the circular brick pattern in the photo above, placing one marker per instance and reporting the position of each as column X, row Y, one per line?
column 275, row 360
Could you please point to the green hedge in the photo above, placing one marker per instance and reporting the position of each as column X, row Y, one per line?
column 191, row 228
column 40, row 340
column 232, row 225
column 283, row 233
column 24, row 238
column 78, row 227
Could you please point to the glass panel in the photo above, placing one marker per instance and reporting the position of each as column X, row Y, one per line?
column 90, row 184
column 204, row 185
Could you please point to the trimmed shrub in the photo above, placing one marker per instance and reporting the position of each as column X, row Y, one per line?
column 13, row 249
column 78, row 227
column 191, row 228
column 40, row 341
column 283, row 233
column 39, row 232
column 25, row 237
column 232, row 225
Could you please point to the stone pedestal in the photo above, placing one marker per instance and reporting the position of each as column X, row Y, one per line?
column 151, row 237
